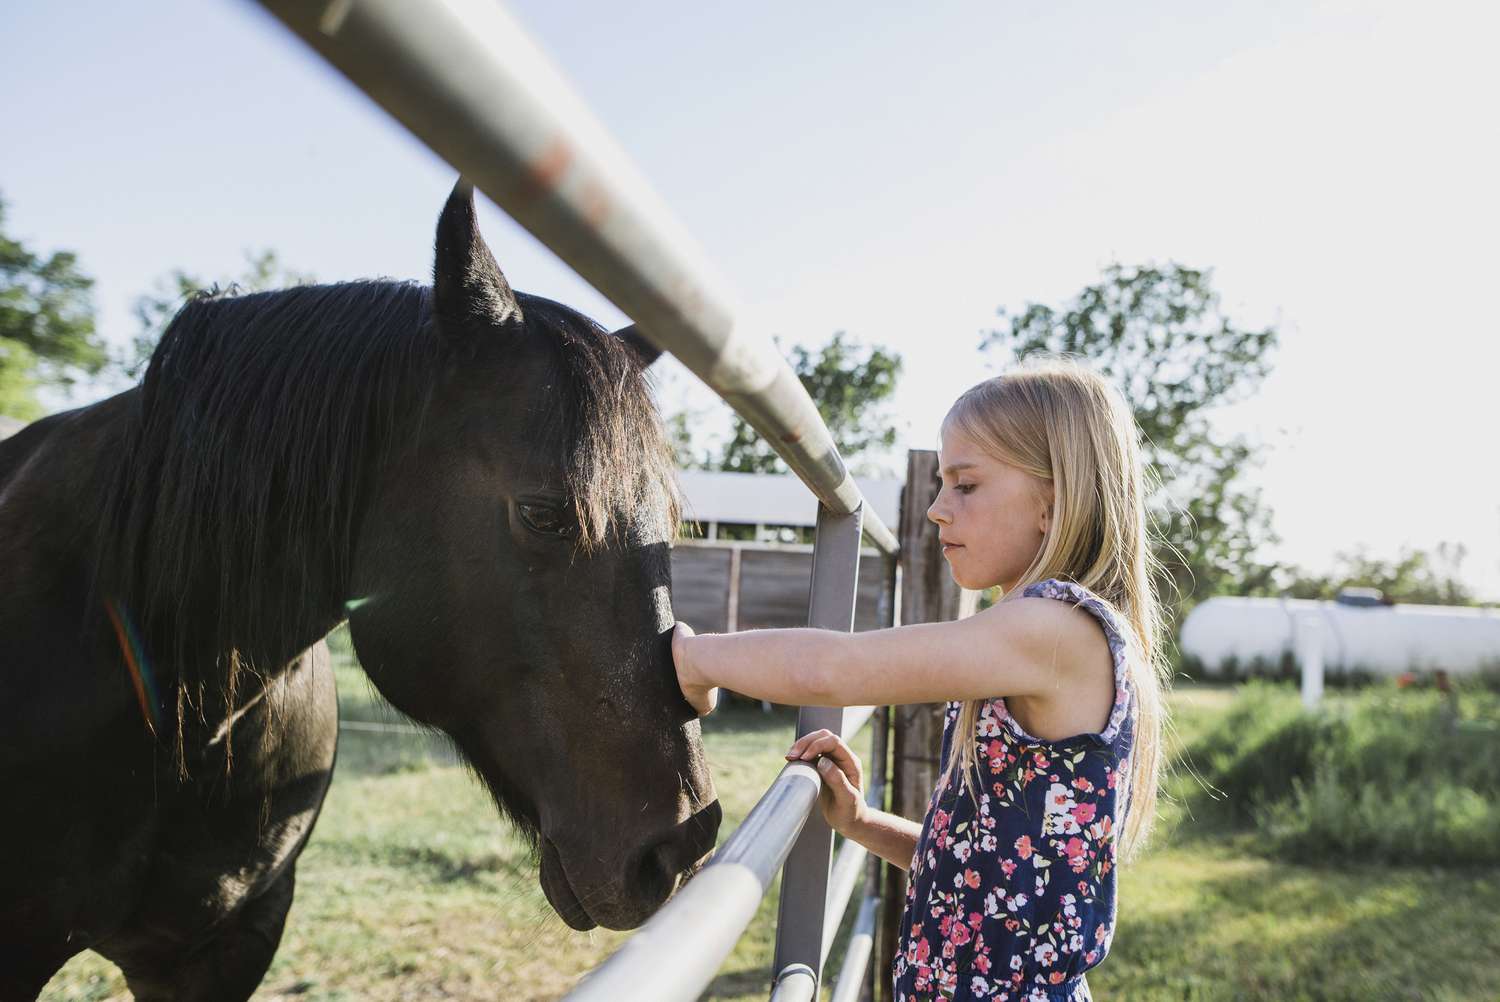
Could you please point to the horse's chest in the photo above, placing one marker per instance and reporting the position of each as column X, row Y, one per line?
column 215, row 852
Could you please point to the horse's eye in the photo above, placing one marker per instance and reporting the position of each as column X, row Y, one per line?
column 545, row 519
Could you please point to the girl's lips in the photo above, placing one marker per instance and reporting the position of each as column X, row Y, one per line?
column 949, row 547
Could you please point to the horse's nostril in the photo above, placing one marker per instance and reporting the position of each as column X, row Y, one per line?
column 657, row 870
column 704, row 829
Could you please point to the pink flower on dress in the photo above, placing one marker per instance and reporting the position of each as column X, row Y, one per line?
column 1077, row 850
column 1023, row 846
column 1084, row 813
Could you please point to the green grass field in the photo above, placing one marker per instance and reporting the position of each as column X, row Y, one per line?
column 411, row 888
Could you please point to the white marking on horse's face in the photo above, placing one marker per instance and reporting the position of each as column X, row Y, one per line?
column 661, row 603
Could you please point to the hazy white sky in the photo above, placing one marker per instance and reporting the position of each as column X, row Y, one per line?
column 896, row 174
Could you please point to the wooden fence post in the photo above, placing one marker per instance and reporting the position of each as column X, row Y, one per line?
column 928, row 595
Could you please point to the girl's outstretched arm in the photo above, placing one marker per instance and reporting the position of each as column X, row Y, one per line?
column 1015, row 648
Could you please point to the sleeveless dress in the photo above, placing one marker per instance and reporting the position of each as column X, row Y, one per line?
column 1013, row 898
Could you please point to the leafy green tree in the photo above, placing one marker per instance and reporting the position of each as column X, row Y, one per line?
column 1417, row 576
column 155, row 310
column 47, row 335
column 1160, row 335
column 851, row 384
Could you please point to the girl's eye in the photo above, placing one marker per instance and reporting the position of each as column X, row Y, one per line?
column 545, row 519
column 965, row 488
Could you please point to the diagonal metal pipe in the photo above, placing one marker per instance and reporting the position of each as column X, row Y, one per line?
column 464, row 77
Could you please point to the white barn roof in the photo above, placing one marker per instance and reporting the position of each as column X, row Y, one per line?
column 771, row 498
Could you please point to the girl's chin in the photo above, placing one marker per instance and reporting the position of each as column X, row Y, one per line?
column 963, row 580
column 967, row 580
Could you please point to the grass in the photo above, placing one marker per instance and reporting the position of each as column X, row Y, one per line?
column 412, row 889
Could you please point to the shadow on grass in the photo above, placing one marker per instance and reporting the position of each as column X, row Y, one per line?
column 740, row 716
column 448, row 867
column 1289, row 933
column 737, row 984
column 363, row 753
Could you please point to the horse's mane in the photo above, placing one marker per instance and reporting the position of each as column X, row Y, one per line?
column 260, row 422
column 605, row 422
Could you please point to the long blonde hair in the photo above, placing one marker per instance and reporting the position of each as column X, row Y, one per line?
column 1058, row 420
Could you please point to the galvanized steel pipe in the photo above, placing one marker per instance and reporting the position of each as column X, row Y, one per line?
column 857, row 957
column 464, row 77
column 676, row 954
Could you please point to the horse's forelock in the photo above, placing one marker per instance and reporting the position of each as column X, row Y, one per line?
column 618, row 465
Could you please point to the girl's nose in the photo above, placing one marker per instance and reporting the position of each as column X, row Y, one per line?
column 937, row 514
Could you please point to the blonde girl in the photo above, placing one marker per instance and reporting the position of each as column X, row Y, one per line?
column 1051, row 743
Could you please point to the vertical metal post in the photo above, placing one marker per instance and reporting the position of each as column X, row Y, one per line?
column 1310, row 657
column 732, row 614
column 877, row 974
column 804, row 879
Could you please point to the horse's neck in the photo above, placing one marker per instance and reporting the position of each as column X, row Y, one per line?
column 226, row 626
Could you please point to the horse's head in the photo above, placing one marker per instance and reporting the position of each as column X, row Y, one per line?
column 511, row 586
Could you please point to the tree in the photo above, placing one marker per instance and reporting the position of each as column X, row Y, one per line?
column 47, row 335
column 851, row 384
column 155, row 310
column 1415, row 576
column 1159, row 334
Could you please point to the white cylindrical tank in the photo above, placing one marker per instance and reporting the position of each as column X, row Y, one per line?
column 1357, row 634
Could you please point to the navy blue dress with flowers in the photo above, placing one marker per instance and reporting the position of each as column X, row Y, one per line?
column 1012, row 888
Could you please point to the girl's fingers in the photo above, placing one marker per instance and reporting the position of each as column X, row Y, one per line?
column 822, row 732
column 837, row 779
column 826, row 745
column 810, row 746
column 799, row 746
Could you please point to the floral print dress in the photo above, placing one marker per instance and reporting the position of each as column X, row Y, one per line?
column 1012, row 887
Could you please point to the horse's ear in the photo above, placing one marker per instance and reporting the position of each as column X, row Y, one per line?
column 644, row 350
column 466, row 281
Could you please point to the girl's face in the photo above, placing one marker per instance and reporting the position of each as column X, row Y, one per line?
column 991, row 516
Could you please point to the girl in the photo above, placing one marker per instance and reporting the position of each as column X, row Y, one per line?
column 1051, row 740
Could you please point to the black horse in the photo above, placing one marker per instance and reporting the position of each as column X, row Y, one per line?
column 476, row 479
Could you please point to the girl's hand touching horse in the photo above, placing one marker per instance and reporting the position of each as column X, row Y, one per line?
column 702, row 696
column 842, row 797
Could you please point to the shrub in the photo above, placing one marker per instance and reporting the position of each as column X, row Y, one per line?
column 1399, row 776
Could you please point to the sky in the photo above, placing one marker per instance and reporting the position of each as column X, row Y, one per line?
column 899, row 174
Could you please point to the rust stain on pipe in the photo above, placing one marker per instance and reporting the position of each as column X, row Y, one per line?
column 546, row 170
column 596, row 205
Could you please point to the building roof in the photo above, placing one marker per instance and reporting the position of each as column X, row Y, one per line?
column 771, row 498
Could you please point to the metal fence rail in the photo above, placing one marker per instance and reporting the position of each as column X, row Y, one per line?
column 465, row 79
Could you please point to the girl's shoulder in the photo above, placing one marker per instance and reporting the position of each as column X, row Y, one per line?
column 1117, row 632
column 1115, row 629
